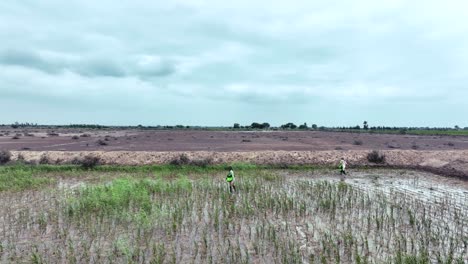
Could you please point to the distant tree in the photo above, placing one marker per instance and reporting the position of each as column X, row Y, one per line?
column 236, row 126
column 255, row 125
column 303, row 126
column 289, row 125
column 365, row 125
column 457, row 127
column 314, row 126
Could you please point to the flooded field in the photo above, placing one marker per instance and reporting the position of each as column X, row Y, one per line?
column 276, row 216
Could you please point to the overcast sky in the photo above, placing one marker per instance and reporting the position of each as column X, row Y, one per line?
column 211, row 62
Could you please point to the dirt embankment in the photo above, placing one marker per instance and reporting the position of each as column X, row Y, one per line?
column 446, row 162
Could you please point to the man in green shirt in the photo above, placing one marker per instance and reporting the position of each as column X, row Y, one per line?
column 230, row 180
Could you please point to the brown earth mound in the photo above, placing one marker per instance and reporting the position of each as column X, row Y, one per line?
column 449, row 163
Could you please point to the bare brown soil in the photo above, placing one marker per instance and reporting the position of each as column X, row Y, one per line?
column 446, row 155
column 225, row 141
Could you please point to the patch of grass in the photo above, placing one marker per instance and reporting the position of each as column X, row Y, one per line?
column 160, row 169
column 124, row 195
column 18, row 180
column 422, row 258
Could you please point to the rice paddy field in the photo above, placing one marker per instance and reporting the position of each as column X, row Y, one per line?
column 170, row 214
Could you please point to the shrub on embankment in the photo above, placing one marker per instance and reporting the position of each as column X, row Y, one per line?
column 5, row 156
column 376, row 157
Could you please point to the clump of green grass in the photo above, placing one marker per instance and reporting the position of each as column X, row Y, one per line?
column 124, row 195
column 19, row 180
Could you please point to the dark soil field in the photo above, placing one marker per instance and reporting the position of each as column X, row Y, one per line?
column 223, row 141
column 445, row 155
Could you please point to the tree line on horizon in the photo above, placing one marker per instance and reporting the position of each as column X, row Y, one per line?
column 237, row 126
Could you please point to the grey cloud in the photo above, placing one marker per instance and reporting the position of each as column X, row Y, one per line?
column 29, row 60
column 94, row 68
column 123, row 68
column 89, row 66
column 155, row 69
column 346, row 52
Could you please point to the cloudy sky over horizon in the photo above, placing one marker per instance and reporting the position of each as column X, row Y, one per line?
column 208, row 62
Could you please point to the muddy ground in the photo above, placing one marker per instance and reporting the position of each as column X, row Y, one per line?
column 446, row 155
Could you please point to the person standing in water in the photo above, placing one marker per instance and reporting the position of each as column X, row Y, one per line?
column 342, row 166
column 230, row 180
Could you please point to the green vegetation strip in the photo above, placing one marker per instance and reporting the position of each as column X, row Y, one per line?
column 19, row 179
column 156, row 168
column 124, row 195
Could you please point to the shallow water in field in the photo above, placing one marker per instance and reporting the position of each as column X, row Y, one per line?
column 424, row 186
